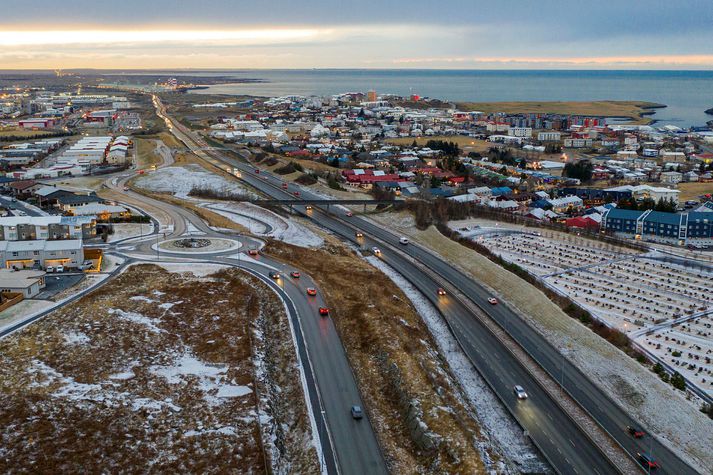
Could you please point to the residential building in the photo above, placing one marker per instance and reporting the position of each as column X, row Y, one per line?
column 29, row 283
column 577, row 142
column 520, row 132
column 671, row 178
column 549, row 136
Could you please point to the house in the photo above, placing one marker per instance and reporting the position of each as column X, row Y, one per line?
column 567, row 203
column 41, row 253
column 23, row 188
column 29, row 283
column 671, row 178
column 22, row 228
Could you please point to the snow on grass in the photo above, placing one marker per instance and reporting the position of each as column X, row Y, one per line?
column 134, row 317
column 212, row 378
column 180, row 181
column 129, row 230
column 258, row 220
column 198, row 269
column 491, row 415
column 142, row 298
column 76, row 338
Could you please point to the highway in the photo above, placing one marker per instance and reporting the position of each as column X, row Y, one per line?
column 558, row 437
column 350, row 446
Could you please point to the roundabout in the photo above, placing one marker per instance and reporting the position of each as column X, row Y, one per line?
column 197, row 245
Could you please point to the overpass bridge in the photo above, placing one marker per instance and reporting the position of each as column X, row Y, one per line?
column 324, row 202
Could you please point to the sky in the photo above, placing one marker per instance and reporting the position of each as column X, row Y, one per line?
column 420, row 34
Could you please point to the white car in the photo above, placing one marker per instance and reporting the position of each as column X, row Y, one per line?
column 493, row 301
column 403, row 240
column 376, row 251
column 59, row 268
column 49, row 269
column 519, row 392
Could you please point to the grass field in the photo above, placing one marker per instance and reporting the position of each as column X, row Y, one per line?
column 148, row 376
column 16, row 131
column 691, row 191
column 631, row 109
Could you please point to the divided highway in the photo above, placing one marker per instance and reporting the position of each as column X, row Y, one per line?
column 561, row 440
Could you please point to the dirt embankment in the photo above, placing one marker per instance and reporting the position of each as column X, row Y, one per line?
column 396, row 363
column 143, row 376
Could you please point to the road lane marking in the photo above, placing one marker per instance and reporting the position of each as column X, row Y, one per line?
column 570, row 441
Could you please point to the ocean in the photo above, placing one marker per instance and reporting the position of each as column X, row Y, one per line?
column 687, row 94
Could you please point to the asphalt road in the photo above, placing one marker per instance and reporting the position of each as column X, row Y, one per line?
column 557, row 436
column 560, row 440
column 573, row 450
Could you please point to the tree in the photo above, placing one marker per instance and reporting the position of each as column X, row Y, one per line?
column 581, row 170
column 678, row 382
column 667, row 206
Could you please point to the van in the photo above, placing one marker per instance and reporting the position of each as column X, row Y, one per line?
column 403, row 240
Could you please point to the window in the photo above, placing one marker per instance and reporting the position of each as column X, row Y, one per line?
column 35, row 253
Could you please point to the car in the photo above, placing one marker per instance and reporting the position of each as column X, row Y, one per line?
column 519, row 392
column 493, row 301
column 324, row 311
column 349, row 214
column 308, row 208
column 311, row 291
column 403, row 240
column 274, row 275
column 359, row 234
column 357, row 413
column 59, row 268
column 257, row 171
column 86, row 265
column 636, row 432
column 49, row 269
column 441, row 291
column 126, row 188
column 376, row 251
column 284, row 186
column 296, row 193
column 647, row 460
column 253, row 252
column 294, row 274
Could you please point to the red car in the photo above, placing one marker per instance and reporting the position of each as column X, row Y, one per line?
column 294, row 274
column 311, row 291
column 647, row 461
column 349, row 214
column 296, row 193
column 323, row 311
column 284, row 186
column 253, row 252
column 257, row 171
column 636, row 432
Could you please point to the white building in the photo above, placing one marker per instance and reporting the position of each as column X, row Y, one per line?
column 29, row 283
column 577, row 142
column 671, row 178
column 549, row 136
column 520, row 131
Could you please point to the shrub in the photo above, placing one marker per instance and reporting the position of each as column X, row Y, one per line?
column 678, row 382
column 286, row 169
column 306, row 179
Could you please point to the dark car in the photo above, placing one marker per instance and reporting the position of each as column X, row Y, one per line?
column 274, row 275
column 635, row 431
column 647, row 460
column 357, row 413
